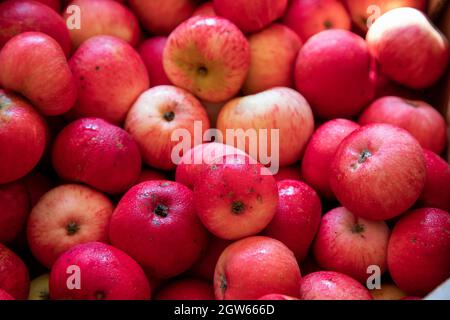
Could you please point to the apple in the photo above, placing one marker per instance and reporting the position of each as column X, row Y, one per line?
column 378, row 172
column 349, row 244
column 23, row 136
column 409, row 49
column 106, row 273
column 162, row 111
column 297, row 218
column 418, row 258
column 100, row 17
column 54, row 4
column 33, row 64
column 100, row 154
column 281, row 109
column 37, row 185
column 337, row 62
column 288, row 173
column 250, row 15
column 388, row 291
column 320, row 151
column 197, row 159
column 14, row 209
column 14, row 277
column 273, row 54
column 206, row 9
column 18, row 16
column 420, row 119
column 5, row 295
column 160, row 17
column 275, row 296
column 254, row 267
column 330, row 285
column 110, row 76
column 436, row 192
column 208, row 56
column 151, row 51
column 235, row 197
column 156, row 224
column 308, row 17
column 64, row 217
column 150, row 174
column 186, row 289
column 39, row 289
column 364, row 12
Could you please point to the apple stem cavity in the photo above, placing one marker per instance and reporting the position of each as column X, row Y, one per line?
column 202, row 71
column 364, row 155
column 169, row 116
column 72, row 228
column 161, row 210
column 328, row 24
column 237, row 207
column 358, row 228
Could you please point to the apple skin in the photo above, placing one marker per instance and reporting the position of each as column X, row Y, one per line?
column 64, row 217
column 206, row 10
column 337, row 62
column 33, row 64
column 39, row 288
column 288, row 173
column 197, row 159
column 275, row 296
column 20, row 16
column 100, row 154
column 54, row 4
column 186, row 289
column 14, row 209
column 388, row 291
column 408, row 48
column 160, row 17
column 330, row 285
column 421, row 239
column 107, row 273
column 99, row 17
column 256, row 266
column 297, row 218
column 436, row 192
column 23, row 136
column 235, row 197
column 420, row 119
column 110, row 76
column 151, row 51
column 278, row 108
column 158, row 112
column 378, row 172
column 308, row 17
column 165, row 211
column 208, row 56
column 150, row 174
column 320, row 151
column 250, row 15
column 14, row 277
column 273, row 54
column 348, row 244
column 5, row 295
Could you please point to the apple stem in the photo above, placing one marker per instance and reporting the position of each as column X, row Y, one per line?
column 161, row 210
column 357, row 228
column 72, row 228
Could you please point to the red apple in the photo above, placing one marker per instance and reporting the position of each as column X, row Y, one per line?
column 388, row 291
column 34, row 64
column 329, row 285
column 151, row 51
column 100, row 17
column 235, row 197
column 409, row 49
column 288, row 173
column 110, row 76
column 5, row 295
column 320, row 151
column 281, row 109
column 209, row 56
column 333, row 72
column 348, row 244
column 151, row 174
column 250, row 15
column 156, row 224
column 14, row 277
column 95, row 152
column 256, row 266
column 206, row 9
column 161, row 112
column 186, row 289
column 420, row 119
column 23, row 135
column 308, row 17
column 64, row 217
column 275, row 296
column 378, row 172
column 106, row 273
column 54, row 4
column 18, row 16
column 418, row 252
column 436, row 193
column 297, row 218
column 273, row 54
column 14, row 209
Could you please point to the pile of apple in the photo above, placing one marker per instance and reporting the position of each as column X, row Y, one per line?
column 92, row 205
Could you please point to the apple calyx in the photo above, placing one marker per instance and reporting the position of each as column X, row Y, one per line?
column 169, row 116
column 72, row 228
column 161, row 210
column 202, row 71
column 364, row 155
column 328, row 24
column 237, row 207
column 358, row 228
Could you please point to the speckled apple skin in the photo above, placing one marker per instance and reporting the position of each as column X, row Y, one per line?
column 14, row 278
column 186, row 289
